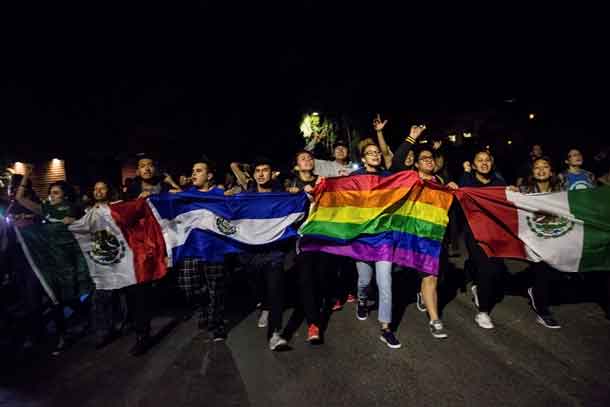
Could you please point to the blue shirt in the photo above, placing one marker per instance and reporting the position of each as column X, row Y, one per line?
column 580, row 180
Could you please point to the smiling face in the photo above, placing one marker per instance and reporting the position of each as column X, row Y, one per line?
column 482, row 163
column 542, row 170
column 425, row 162
column 100, row 192
column 371, row 156
column 340, row 153
column 574, row 158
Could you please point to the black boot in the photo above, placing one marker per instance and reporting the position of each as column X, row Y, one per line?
column 141, row 346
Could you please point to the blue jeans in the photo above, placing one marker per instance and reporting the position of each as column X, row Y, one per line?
column 383, row 271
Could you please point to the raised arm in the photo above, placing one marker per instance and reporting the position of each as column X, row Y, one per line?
column 398, row 161
column 241, row 176
column 378, row 125
column 20, row 195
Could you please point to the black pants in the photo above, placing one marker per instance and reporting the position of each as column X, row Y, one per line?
column 270, row 266
column 543, row 276
column 341, row 275
column 107, row 311
column 139, row 305
column 487, row 273
column 313, row 284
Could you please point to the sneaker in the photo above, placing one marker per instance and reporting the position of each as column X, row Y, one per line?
column 389, row 339
column 337, row 306
column 475, row 295
column 219, row 335
column 313, row 333
column 351, row 298
column 437, row 330
column 263, row 319
column 277, row 342
column 484, row 320
column 61, row 346
column 362, row 312
column 548, row 321
column 421, row 306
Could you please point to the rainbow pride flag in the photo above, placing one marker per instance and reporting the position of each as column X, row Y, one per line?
column 398, row 218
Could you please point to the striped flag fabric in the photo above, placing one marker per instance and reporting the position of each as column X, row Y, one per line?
column 398, row 218
column 56, row 259
column 208, row 226
column 122, row 244
column 569, row 230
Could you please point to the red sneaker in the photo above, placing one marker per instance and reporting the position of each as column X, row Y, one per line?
column 351, row 298
column 337, row 306
column 313, row 333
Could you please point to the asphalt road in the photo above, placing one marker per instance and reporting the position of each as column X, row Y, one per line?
column 520, row 363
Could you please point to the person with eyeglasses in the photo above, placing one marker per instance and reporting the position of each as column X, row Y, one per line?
column 371, row 158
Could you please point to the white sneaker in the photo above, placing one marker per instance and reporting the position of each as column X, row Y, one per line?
column 475, row 295
column 276, row 342
column 484, row 320
column 263, row 319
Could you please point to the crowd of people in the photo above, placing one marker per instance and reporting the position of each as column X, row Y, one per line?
column 325, row 282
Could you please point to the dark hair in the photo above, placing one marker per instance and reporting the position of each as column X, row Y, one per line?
column 341, row 143
column 421, row 148
column 211, row 165
column 302, row 151
column 481, row 150
column 260, row 160
column 113, row 193
column 67, row 189
column 555, row 182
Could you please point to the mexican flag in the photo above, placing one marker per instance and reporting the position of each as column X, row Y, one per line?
column 111, row 247
column 570, row 231
column 122, row 244
column 55, row 257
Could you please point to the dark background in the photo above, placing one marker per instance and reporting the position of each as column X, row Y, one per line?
column 97, row 83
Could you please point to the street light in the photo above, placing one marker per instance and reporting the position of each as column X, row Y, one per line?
column 510, row 142
column 532, row 116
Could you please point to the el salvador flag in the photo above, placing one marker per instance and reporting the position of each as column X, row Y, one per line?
column 208, row 225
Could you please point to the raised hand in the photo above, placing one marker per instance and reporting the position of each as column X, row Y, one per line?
column 416, row 131
column 437, row 144
column 378, row 125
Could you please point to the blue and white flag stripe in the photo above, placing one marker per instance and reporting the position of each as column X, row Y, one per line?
column 208, row 226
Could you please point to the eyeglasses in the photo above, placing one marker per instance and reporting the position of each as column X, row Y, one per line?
column 426, row 158
column 372, row 153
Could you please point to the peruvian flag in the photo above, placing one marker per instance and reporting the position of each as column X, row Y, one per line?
column 570, row 230
column 122, row 244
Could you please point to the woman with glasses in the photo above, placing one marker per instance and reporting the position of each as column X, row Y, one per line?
column 371, row 158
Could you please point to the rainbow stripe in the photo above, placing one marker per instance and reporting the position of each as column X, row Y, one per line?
column 368, row 217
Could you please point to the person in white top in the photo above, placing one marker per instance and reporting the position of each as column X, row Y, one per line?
column 338, row 167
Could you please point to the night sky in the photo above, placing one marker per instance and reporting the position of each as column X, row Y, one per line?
column 97, row 81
